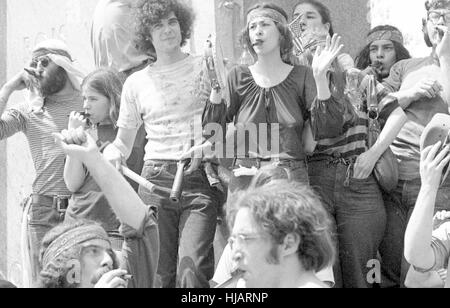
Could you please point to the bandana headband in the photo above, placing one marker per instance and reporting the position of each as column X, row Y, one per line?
column 266, row 13
column 71, row 239
column 58, row 52
column 390, row 35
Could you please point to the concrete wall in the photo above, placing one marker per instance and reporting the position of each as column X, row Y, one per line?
column 3, row 175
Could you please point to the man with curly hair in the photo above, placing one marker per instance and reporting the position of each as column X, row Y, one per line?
column 79, row 254
column 281, row 237
column 169, row 97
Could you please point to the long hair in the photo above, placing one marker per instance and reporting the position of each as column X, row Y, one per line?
column 108, row 83
column 363, row 58
column 55, row 275
column 286, row 39
column 150, row 12
column 281, row 208
column 323, row 10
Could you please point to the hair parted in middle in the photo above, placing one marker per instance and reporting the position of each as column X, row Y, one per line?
column 108, row 83
column 281, row 208
column 150, row 12
column 363, row 58
column 286, row 40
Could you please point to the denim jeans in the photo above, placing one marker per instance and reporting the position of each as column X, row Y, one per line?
column 186, row 228
column 399, row 207
column 41, row 219
column 359, row 215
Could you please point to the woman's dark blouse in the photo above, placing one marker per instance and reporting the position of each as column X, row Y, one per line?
column 289, row 104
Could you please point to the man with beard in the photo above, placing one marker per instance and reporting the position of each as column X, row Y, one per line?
column 54, row 84
column 423, row 87
column 79, row 254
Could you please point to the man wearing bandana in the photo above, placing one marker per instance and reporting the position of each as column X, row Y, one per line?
column 384, row 48
column 79, row 254
column 422, row 87
column 53, row 83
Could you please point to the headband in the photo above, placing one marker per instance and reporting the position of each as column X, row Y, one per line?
column 390, row 35
column 58, row 52
column 71, row 239
column 267, row 13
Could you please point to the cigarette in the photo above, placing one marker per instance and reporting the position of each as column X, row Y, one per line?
column 127, row 277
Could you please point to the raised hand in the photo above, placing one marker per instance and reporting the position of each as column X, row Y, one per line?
column 325, row 56
column 76, row 120
column 77, row 143
column 432, row 165
column 443, row 48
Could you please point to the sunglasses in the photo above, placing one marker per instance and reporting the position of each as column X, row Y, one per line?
column 44, row 61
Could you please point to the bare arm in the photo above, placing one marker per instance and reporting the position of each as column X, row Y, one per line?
column 366, row 162
column 120, row 150
column 74, row 175
column 418, row 236
column 124, row 201
column 321, row 64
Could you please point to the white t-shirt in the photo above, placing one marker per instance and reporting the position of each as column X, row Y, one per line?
column 170, row 101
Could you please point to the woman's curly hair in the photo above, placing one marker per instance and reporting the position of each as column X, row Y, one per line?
column 150, row 12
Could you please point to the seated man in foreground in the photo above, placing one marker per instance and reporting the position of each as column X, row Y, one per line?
column 79, row 255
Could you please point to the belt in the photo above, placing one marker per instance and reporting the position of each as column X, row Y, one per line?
column 59, row 203
column 332, row 159
column 259, row 163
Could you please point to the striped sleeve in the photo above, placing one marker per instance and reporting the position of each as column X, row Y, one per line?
column 13, row 121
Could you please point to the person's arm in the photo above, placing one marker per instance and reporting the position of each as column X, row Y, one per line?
column 366, row 162
column 74, row 175
column 129, row 122
column 14, row 121
column 418, row 236
column 309, row 144
column 425, row 88
column 124, row 201
column 321, row 65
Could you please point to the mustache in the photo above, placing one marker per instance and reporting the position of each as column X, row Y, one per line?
column 99, row 274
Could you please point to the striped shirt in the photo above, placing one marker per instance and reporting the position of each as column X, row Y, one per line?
column 48, row 159
column 353, row 142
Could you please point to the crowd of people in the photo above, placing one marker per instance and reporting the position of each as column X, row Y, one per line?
column 314, row 211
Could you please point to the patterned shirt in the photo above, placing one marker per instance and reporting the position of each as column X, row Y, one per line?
column 48, row 159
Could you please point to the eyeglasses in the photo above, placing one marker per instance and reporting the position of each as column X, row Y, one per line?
column 435, row 16
column 243, row 239
column 44, row 60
